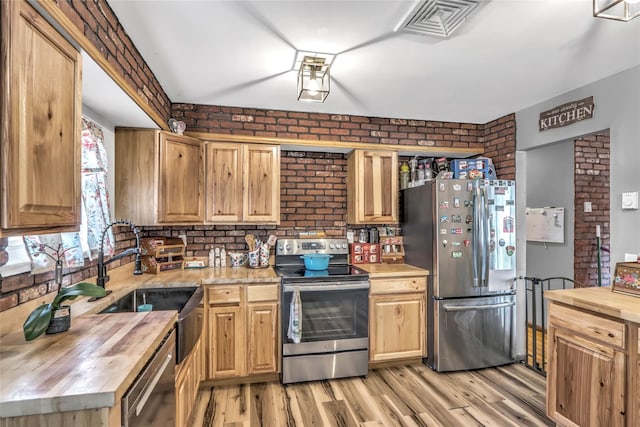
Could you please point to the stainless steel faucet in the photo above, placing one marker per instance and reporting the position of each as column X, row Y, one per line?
column 103, row 277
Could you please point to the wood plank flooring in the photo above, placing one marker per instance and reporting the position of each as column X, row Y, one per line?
column 403, row 396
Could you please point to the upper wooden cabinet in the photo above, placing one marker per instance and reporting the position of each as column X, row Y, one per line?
column 372, row 188
column 159, row 177
column 41, row 125
column 243, row 183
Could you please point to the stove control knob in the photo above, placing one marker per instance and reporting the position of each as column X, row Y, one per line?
column 332, row 246
column 287, row 248
column 344, row 246
column 280, row 248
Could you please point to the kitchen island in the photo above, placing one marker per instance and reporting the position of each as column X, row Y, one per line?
column 593, row 373
column 82, row 373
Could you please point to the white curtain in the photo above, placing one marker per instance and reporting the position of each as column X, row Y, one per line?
column 95, row 197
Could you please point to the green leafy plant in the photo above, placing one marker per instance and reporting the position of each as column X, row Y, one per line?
column 38, row 321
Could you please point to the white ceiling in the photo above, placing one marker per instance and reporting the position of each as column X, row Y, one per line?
column 508, row 55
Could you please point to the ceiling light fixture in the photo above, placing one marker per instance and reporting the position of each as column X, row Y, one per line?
column 619, row 10
column 313, row 79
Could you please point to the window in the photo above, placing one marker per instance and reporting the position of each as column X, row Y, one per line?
column 95, row 209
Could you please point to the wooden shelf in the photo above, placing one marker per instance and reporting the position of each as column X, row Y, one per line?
column 289, row 144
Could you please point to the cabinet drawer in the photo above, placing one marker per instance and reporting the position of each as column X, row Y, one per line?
column 597, row 328
column 262, row 293
column 398, row 285
column 224, row 294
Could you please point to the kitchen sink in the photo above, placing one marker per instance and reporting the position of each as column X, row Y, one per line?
column 159, row 298
column 184, row 300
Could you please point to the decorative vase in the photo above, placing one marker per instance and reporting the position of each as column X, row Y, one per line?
column 58, row 275
column 60, row 321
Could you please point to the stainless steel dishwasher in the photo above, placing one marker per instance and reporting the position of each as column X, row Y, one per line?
column 151, row 399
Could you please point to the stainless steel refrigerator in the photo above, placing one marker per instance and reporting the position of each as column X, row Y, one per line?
column 464, row 233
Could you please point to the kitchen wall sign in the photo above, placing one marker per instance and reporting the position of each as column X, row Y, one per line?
column 566, row 114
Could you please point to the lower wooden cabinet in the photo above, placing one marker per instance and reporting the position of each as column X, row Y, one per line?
column 397, row 318
column 188, row 376
column 226, row 341
column 589, row 379
column 242, row 327
column 262, row 337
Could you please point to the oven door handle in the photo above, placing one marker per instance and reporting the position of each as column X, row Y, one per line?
column 317, row 288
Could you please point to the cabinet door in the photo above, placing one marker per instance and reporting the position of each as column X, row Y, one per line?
column 181, row 179
column 226, row 342
column 41, row 116
column 585, row 381
column 224, row 183
column 184, row 400
column 261, row 181
column 262, row 342
column 372, row 189
column 396, row 326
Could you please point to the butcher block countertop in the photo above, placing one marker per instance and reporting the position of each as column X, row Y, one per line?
column 599, row 300
column 94, row 363
column 392, row 270
column 90, row 366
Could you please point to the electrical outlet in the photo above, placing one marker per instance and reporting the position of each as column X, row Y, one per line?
column 587, row 207
column 630, row 200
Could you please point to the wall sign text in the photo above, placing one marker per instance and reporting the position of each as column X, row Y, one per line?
column 566, row 114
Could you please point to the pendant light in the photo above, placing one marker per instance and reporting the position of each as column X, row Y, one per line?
column 313, row 79
column 619, row 10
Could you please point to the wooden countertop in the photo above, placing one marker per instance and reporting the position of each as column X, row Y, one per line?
column 89, row 366
column 95, row 362
column 391, row 270
column 599, row 300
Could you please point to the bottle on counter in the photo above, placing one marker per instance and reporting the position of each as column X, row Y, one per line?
column 216, row 259
column 212, row 258
column 404, row 176
column 428, row 172
column 420, row 174
column 223, row 257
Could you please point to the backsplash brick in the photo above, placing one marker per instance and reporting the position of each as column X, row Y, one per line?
column 18, row 289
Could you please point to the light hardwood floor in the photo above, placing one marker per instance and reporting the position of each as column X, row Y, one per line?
column 404, row 396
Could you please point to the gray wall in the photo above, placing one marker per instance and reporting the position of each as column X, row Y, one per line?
column 550, row 183
column 617, row 107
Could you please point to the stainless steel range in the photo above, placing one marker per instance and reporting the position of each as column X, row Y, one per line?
column 334, row 311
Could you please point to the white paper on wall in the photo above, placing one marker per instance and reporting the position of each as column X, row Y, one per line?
column 545, row 225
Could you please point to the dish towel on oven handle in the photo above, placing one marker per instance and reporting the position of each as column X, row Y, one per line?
column 295, row 317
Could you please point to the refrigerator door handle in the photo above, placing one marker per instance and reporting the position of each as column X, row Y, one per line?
column 475, row 235
column 448, row 307
column 484, row 245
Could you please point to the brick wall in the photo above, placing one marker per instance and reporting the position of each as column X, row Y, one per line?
column 500, row 145
column 591, row 183
column 320, row 126
column 313, row 185
column 313, row 196
column 101, row 27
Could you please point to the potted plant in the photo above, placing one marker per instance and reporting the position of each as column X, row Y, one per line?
column 54, row 317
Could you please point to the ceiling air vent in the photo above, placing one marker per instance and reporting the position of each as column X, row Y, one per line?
column 438, row 17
